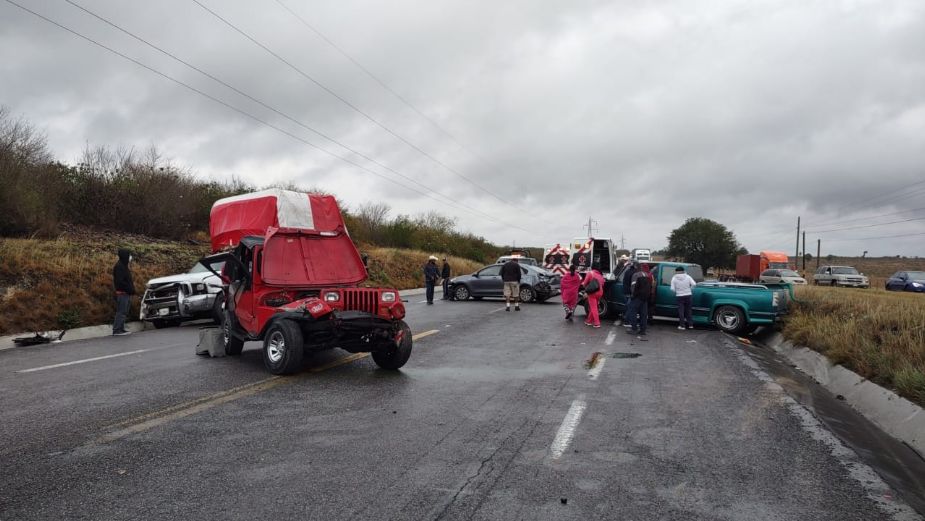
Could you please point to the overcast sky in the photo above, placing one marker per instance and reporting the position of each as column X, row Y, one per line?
column 534, row 114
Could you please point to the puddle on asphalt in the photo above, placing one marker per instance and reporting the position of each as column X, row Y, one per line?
column 626, row 355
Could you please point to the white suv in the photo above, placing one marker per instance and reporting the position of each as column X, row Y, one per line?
column 840, row 276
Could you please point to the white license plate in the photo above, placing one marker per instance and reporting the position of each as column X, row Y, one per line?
column 163, row 311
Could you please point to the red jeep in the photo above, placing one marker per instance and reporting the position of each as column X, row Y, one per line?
column 292, row 279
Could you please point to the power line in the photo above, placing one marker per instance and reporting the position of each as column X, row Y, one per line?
column 843, row 221
column 226, row 104
column 348, row 103
column 880, row 196
column 866, row 225
column 382, row 83
column 279, row 112
column 876, row 238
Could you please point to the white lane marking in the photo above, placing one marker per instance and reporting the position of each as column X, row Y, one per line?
column 611, row 337
column 84, row 361
column 421, row 301
column 567, row 430
column 877, row 490
column 496, row 310
column 596, row 370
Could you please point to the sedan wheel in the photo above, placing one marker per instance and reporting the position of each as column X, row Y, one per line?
column 461, row 292
column 527, row 294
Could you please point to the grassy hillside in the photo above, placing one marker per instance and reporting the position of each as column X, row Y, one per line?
column 878, row 334
column 67, row 282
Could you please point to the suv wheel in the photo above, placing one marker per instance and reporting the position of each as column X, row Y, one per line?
column 283, row 347
column 395, row 356
column 833, row 283
column 730, row 319
column 461, row 292
column 218, row 308
column 233, row 344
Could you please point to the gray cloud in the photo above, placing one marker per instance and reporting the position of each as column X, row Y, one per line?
column 638, row 114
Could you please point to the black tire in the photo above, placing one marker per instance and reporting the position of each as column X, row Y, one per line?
column 233, row 344
column 461, row 292
column 395, row 357
column 283, row 347
column 159, row 324
column 218, row 308
column 731, row 319
column 602, row 307
column 162, row 323
column 833, row 283
column 526, row 294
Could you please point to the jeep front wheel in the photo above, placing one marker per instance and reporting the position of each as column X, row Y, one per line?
column 283, row 347
column 396, row 355
column 233, row 344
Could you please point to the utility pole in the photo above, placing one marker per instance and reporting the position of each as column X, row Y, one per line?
column 818, row 251
column 622, row 242
column 590, row 226
column 804, row 250
column 796, row 257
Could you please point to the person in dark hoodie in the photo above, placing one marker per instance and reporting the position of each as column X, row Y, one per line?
column 124, row 288
column 445, row 275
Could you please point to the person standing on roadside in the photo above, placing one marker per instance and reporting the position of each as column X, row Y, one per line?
column 431, row 274
column 628, row 291
column 594, row 287
column 569, row 287
column 124, row 288
column 683, row 286
column 641, row 292
column 445, row 275
column 510, row 276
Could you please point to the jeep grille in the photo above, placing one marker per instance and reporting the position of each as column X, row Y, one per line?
column 361, row 300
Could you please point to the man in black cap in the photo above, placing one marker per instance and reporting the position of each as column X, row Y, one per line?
column 124, row 287
column 445, row 275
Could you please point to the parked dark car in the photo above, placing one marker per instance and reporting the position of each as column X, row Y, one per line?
column 907, row 281
column 536, row 284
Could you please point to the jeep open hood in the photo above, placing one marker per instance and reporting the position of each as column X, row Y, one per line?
column 302, row 258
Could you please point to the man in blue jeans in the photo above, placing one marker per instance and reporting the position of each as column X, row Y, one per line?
column 638, row 308
column 683, row 286
column 124, row 287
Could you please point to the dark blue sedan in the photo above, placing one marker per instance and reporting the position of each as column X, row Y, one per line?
column 907, row 281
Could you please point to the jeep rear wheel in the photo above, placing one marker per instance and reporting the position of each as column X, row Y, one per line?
column 283, row 347
column 730, row 319
column 395, row 356
column 233, row 344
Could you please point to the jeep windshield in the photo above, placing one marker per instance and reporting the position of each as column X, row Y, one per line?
column 844, row 271
column 297, row 259
column 200, row 268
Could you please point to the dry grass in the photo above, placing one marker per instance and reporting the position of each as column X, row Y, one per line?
column 67, row 282
column 878, row 334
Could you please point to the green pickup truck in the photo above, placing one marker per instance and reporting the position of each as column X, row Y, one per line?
column 735, row 308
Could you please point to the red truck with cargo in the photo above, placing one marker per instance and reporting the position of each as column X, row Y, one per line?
column 749, row 267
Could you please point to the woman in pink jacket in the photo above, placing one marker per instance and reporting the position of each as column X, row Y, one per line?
column 569, row 287
column 594, row 274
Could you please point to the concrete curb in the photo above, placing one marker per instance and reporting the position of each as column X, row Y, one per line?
column 89, row 332
column 894, row 414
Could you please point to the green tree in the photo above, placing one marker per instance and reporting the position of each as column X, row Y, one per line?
column 704, row 242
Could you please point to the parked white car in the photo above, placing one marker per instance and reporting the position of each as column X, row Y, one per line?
column 840, row 276
column 780, row 276
column 196, row 294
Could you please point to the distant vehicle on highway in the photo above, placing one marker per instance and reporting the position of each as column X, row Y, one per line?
column 907, row 281
column 781, row 276
column 642, row 255
column 840, row 276
column 750, row 267
column 536, row 284
column 520, row 258
column 196, row 294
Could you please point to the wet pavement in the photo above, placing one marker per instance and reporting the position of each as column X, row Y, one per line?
column 498, row 415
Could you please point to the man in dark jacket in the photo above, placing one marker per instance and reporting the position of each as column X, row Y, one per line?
column 431, row 274
column 124, row 287
column 638, row 312
column 445, row 275
column 510, row 276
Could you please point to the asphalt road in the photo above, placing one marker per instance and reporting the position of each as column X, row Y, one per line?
column 496, row 416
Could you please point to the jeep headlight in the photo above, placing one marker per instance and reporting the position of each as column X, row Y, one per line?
column 200, row 286
column 388, row 296
column 331, row 296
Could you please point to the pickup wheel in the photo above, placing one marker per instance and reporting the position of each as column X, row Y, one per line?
column 395, row 356
column 233, row 344
column 283, row 347
column 461, row 292
column 731, row 319
column 602, row 308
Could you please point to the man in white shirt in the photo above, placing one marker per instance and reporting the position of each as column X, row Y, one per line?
column 683, row 286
